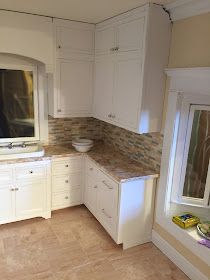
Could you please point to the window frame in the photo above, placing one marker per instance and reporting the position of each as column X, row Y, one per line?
column 34, row 70
column 189, row 103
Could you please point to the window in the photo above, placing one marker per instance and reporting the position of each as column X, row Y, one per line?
column 191, row 177
column 18, row 104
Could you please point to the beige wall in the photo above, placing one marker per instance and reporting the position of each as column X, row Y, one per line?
column 190, row 47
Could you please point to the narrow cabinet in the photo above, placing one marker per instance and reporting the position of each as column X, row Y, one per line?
column 70, row 90
column 137, row 43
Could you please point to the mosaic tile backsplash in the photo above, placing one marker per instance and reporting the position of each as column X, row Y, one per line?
column 145, row 148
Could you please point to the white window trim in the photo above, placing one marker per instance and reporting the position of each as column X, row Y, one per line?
column 36, row 103
column 194, row 81
column 181, row 139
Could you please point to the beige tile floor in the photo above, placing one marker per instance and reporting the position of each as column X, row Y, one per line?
column 72, row 245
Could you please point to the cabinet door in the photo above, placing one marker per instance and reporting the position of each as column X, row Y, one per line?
column 75, row 79
column 128, row 92
column 6, row 203
column 74, row 40
column 90, row 194
column 30, row 198
column 131, row 35
column 105, row 40
column 104, row 86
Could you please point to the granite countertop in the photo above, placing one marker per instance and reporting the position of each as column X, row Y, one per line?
column 119, row 166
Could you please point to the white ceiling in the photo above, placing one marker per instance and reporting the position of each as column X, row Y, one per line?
column 92, row 11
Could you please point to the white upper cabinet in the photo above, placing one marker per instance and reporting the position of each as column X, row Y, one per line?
column 73, row 78
column 105, row 40
column 131, row 53
column 73, row 37
column 104, row 86
column 75, row 87
column 27, row 35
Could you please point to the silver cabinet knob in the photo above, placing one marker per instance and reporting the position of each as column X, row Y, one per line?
column 95, row 187
column 12, row 189
column 110, row 115
column 66, row 197
column 91, row 168
column 66, row 165
column 113, row 116
column 31, row 172
column 66, row 181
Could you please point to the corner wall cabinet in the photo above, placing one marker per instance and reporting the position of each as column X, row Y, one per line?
column 25, row 191
column 72, row 84
column 125, row 209
column 131, row 53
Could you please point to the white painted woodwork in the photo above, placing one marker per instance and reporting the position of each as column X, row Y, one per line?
column 75, row 90
column 6, row 202
column 125, row 209
column 73, row 37
column 27, row 35
column 132, row 70
column 130, row 34
column 71, row 89
column 104, row 87
column 126, row 106
column 105, row 40
column 30, row 198
column 67, row 182
column 25, row 194
column 182, row 9
column 193, row 84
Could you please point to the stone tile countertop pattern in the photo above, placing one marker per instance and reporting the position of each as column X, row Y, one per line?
column 117, row 165
column 120, row 167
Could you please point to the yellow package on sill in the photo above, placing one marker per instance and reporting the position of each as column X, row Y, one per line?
column 186, row 220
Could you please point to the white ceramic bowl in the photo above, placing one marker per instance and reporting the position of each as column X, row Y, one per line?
column 82, row 142
column 82, row 148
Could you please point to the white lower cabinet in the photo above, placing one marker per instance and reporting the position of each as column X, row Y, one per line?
column 125, row 209
column 67, row 180
column 25, row 191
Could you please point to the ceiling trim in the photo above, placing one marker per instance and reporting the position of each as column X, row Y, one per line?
column 181, row 9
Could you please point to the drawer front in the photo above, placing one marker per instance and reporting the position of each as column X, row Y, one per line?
column 65, row 199
column 30, row 172
column 66, row 166
column 65, row 182
column 91, row 169
column 5, row 177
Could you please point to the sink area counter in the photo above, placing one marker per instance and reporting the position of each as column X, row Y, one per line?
column 117, row 165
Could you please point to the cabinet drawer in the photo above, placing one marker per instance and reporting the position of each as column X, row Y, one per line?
column 30, row 172
column 66, row 166
column 65, row 182
column 5, row 177
column 65, row 199
column 108, row 222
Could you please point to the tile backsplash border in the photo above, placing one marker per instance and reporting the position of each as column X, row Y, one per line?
column 146, row 148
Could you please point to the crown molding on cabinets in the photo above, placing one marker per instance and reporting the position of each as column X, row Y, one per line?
column 181, row 9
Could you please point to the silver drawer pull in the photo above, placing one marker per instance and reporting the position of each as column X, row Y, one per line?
column 16, row 189
column 66, row 165
column 66, row 197
column 109, row 187
column 104, row 212
column 31, row 172
column 66, row 181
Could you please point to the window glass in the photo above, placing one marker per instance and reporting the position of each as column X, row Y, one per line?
column 198, row 156
column 16, row 104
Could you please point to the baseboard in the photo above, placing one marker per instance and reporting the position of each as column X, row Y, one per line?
column 192, row 272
